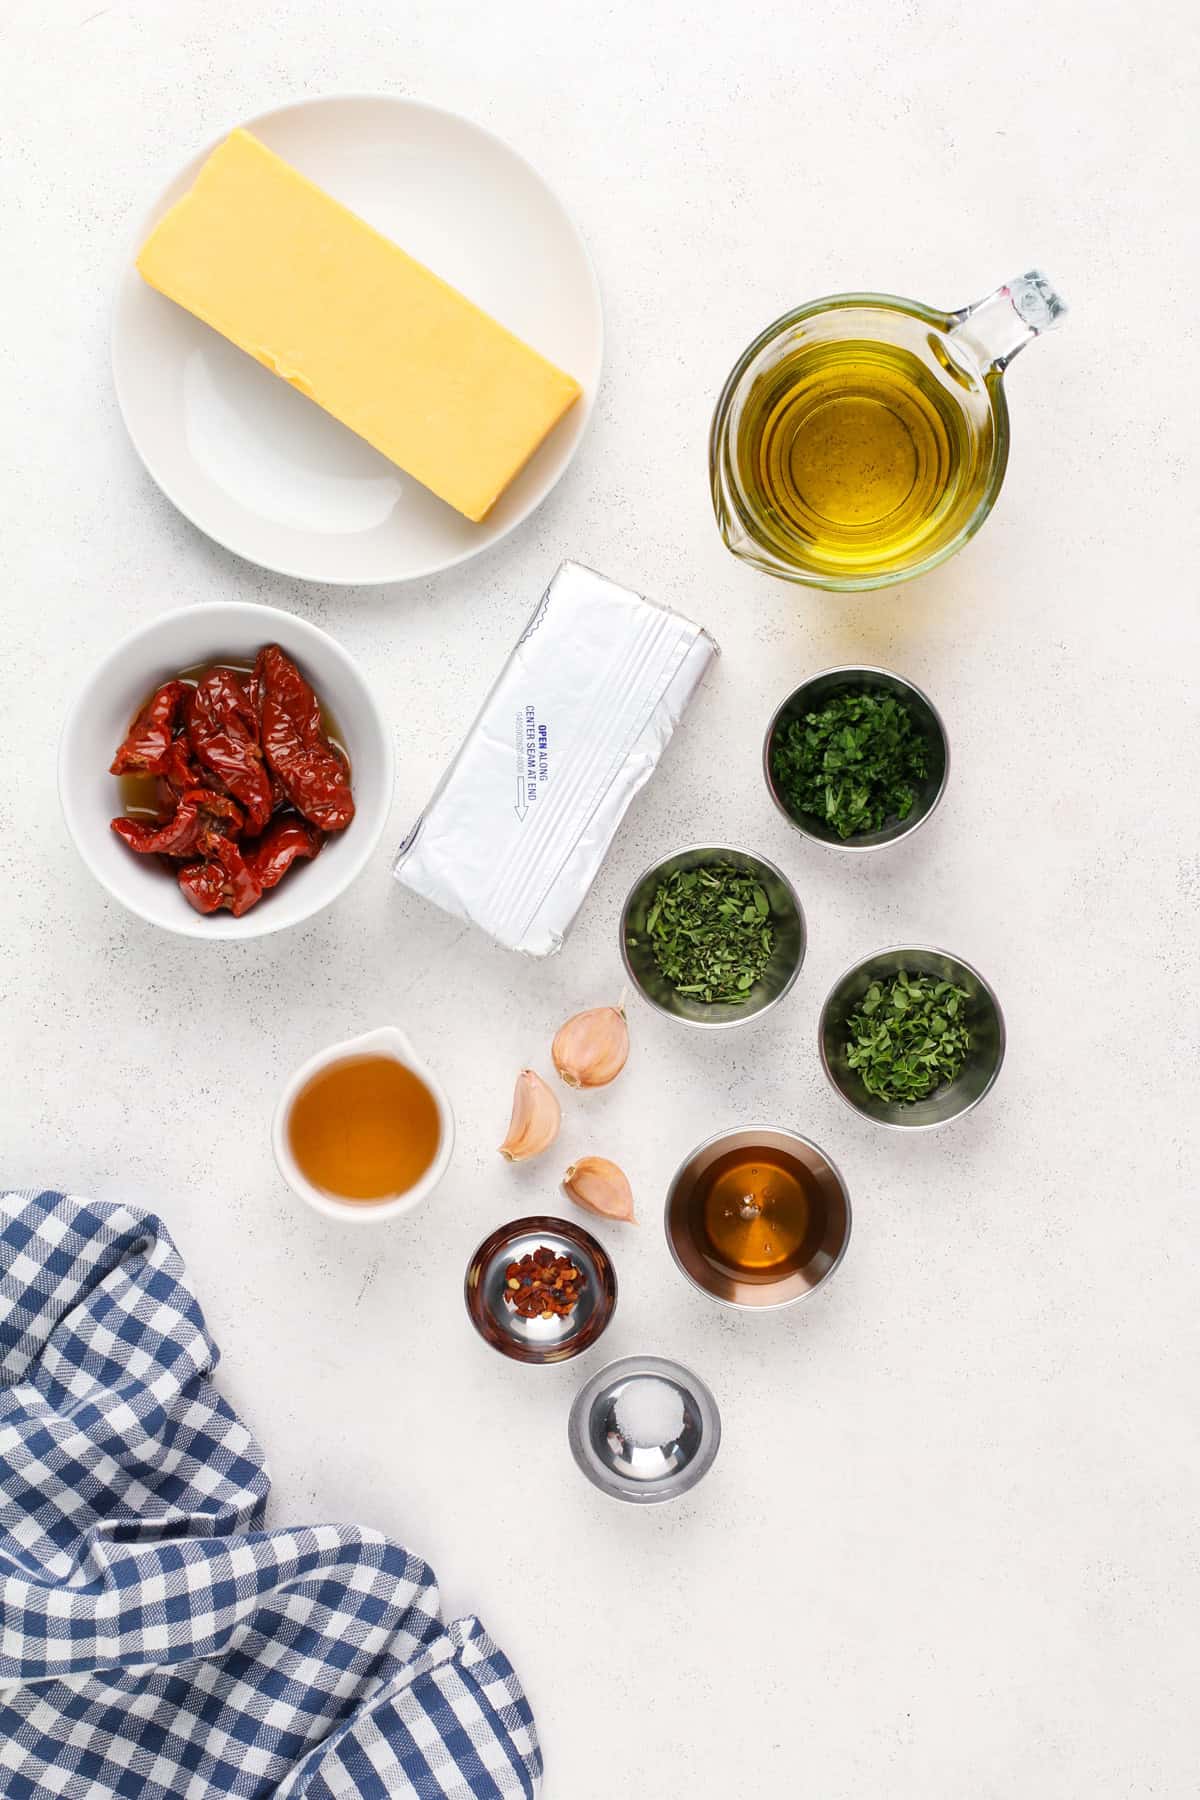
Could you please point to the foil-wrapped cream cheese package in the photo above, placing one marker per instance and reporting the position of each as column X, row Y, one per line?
column 584, row 707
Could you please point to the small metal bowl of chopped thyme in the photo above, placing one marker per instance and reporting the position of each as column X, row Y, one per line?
column 912, row 1037
column 540, row 1289
column 713, row 936
column 856, row 758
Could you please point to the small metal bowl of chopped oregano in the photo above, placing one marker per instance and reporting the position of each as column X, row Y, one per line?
column 856, row 758
column 912, row 1037
column 713, row 936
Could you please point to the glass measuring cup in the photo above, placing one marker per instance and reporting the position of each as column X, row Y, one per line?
column 862, row 439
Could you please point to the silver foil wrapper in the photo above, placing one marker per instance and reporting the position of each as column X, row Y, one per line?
column 580, row 714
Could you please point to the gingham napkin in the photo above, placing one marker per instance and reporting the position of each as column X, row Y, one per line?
column 155, row 1642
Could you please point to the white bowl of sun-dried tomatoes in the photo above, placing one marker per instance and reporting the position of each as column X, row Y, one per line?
column 226, row 772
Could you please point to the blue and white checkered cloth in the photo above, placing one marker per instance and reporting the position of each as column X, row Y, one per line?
column 156, row 1643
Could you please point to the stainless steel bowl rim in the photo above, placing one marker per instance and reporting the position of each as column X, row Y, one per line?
column 921, row 950
column 770, row 1306
column 851, row 669
column 715, row 850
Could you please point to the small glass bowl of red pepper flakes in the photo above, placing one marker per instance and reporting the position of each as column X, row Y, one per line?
column 564, row 1294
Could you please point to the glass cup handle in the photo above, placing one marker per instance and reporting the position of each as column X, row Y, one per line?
column 995, row 328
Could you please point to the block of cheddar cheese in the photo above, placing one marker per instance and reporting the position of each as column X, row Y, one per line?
column 295, row 279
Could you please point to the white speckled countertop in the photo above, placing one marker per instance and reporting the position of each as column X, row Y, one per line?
column 950, row 1546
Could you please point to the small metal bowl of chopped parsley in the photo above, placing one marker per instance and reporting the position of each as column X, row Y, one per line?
column 713, row 936
column 856, row 758
column 912, row 1037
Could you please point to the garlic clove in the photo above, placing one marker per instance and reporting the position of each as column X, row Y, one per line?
column 601, row 1187
column 590, row 1049
column 536, row 1117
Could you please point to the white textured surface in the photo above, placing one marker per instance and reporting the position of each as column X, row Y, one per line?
column 950, row 1545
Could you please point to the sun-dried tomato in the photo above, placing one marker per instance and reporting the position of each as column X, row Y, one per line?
column 200, row 817
column 180, row 772
column 148, row 741
column 279, row 799
column 202, row 884
column 220, row 817
column 284, row 842
column 177, row 837
column 222, row 880
column 314, row 777
column 180, row 775
column 223, row 733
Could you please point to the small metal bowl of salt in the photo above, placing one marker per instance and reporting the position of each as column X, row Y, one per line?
column 644, row 1429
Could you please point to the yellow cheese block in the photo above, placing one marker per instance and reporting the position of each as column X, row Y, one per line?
column 294, row 278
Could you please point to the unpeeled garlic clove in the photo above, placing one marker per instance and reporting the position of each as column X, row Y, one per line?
column 536, row 1117
column 591, row 1048
column 599, row 1185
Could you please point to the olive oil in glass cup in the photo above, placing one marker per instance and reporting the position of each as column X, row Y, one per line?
column 862, row 439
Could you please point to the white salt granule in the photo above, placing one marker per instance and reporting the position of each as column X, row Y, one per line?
column 649, row 1411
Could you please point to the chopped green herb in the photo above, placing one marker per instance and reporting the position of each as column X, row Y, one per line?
column 710, row 932
column 908, row 1036
column 854, row 764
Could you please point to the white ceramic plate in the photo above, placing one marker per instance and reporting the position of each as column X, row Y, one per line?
column 267, row 473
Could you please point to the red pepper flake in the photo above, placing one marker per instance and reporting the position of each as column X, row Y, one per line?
column 543, row 1286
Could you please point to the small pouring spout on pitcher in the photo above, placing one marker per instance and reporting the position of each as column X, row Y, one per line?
column 993, row 330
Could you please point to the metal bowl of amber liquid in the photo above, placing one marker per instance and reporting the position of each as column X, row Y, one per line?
column 750, row 1238
column 786, row 915
column 539, row 1340
column 954, row 1098
column 815, row 693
